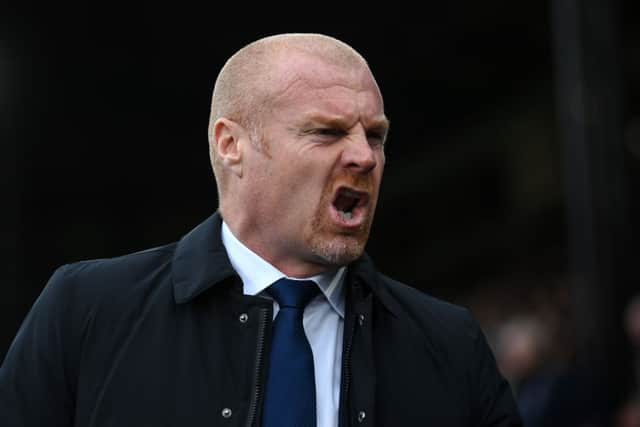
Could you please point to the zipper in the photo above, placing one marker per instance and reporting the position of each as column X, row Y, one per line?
column 346, row 372
column 257, row 386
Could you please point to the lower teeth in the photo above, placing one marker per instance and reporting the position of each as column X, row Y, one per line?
column 346, row 215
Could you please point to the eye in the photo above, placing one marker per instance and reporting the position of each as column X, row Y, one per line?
column 376, row 138
column 329, row 132
column 326, row 134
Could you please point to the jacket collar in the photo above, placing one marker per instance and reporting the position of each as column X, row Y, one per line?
column 200, row 261
column 362, row 272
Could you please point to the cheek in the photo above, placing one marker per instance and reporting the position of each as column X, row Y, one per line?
column 376, row 177
column 295, row 187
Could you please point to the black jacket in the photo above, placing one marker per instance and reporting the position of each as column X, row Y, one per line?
column 156, row 338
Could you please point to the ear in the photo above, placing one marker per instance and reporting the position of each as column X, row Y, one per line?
column 227, row 139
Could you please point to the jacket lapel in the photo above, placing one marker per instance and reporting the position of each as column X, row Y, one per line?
column 200, row 260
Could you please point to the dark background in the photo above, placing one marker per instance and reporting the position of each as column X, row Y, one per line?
column 496, row 195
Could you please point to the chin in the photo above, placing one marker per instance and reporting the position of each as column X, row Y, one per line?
column 339, row 250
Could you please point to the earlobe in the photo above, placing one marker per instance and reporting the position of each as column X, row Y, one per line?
column 227, row 139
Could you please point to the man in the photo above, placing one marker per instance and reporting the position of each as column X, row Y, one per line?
column 201, row 333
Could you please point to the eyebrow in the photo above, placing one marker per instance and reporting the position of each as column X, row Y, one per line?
column 380, row 124
column 330, row 120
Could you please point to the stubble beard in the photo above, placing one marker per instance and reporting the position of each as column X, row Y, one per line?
column 338, row 251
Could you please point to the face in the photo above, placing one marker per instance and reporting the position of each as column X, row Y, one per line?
column 315, row 181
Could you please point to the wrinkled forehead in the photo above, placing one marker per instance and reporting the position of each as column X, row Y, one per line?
column 303, row 80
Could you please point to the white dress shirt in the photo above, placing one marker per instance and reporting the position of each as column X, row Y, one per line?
column 323, row 319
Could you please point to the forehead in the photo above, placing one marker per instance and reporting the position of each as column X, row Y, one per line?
column 307, row 85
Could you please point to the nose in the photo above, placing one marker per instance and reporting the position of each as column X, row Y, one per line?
column 358, row 155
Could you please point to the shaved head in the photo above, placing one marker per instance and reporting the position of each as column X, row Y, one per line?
column 247, row 82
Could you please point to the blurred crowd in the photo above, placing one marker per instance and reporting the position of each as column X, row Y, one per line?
column 529, row 329
column 628, row 414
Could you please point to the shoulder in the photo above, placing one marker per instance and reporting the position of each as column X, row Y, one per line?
column 433, row 316
column 111, row 280
column 442, row 342
column 92, row 305
column 132, row 265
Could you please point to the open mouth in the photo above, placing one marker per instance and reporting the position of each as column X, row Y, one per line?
column 348, row 204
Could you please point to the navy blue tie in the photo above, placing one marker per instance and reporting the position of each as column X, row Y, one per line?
column 290, row 392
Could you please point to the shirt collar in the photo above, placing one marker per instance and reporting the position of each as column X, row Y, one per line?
column 257, row 274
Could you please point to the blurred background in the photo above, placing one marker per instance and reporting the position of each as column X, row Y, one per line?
column 511, row 186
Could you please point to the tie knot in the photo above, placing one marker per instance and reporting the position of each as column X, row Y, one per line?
column 293, row 293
